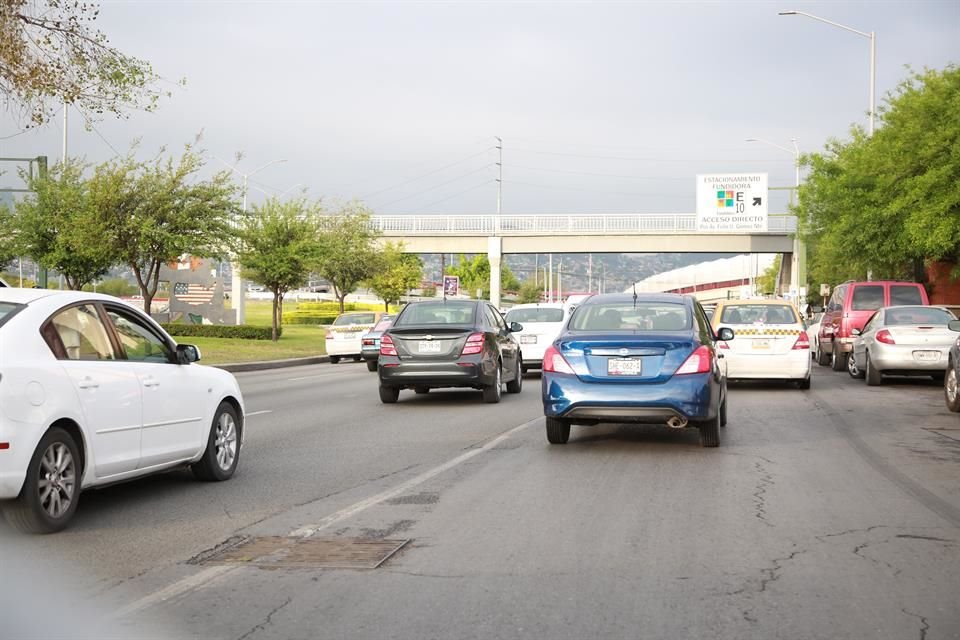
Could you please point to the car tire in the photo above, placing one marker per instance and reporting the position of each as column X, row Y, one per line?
column 558, row 431
column 389, row 395
column 371, row 365
column 523, row 370
column 838, row 359
column 710, row 432
column 803, row 384
column 222, row 454
column 852, row 368
column 334, row 359
column 491, row 394
column 421, row 391
column 357, row 358
column 951, row 388
column 27, row 513
column 874, row 377
column 723, row 412
column 823, row 359
column 516, row 385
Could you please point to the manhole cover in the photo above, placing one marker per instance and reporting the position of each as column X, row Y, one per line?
column 307, row 553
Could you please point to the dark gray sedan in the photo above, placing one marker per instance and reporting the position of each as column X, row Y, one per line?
column 449, row 343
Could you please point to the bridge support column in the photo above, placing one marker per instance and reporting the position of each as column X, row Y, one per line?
column 495, row 256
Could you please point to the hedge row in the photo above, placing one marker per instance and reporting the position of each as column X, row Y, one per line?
column 334, row 307
column 309, row 317
column 243, row 331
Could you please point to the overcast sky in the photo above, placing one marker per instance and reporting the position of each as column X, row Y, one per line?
column 602, row 107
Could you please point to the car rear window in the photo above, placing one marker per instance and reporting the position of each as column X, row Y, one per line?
column 355, row 318
column 627, row 316
column 867, row 297
column 765, row 313
column 534, row 314
column 904, row 294
column 449, row 312
column 918, row 315
column 7, row 311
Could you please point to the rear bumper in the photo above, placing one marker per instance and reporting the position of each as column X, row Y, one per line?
column 434, row 374
column 344, row 347
column 370, row 354
column 781, row 366
column 894, row 358
column 694, row 397
column 14, row 460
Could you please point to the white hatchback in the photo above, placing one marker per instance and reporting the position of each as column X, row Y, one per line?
column 345, row 336
column 92, row 392
column 541, row 326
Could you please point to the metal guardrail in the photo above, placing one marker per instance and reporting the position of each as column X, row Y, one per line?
column 485, row 225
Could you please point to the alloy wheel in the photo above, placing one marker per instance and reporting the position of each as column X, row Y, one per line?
column 951, row 385
column 58, row 480
column 226, row 441
column 852, row 367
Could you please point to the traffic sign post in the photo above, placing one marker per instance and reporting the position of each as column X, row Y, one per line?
column 732, row 202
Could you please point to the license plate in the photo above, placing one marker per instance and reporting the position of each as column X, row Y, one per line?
column 528, row 339
column 926, row 356
column 761, row 344
column 428, row 346
column 624, row 366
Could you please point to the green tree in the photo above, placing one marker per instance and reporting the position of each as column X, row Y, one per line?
column 159, row 210
column 7, row 249
column 278, row 245
column 57, row 227
column 51, row 54
column 474, row 275
column 767, row 281
column 530, row 291
column 348, row 255
column 397, row 273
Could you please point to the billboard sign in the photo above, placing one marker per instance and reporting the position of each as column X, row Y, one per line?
column 732, row 202
column 451, row 285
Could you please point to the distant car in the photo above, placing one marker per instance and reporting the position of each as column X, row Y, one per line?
column 652, row 358
column 94, row 392
column 709, row 309
column 904, row 340
column 3, row 284
column 813, row 333
column 451, row 343
column 542, row 323
column 370, row 342
column 951, row 380
column 345, row 336
column 771, row 344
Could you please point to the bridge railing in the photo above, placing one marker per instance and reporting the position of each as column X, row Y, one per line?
column 619, row 224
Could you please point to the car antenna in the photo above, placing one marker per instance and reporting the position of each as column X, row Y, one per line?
column 634, row 295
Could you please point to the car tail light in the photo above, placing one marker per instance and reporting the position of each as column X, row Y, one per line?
column 386, row 346
column 553, row 362
column 368, row 342
column 329, row 335
column 473, row 345
column 803, row 341
column 700, row 361
column 884, row 336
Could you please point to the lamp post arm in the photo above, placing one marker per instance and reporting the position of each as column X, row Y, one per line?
column 824, row 20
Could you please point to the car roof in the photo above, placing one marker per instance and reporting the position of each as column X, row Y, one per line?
column 758, row 301
column 675, row 298
column 537, row 305
column 26, row 296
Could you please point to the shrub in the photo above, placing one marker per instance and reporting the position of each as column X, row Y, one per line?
column 242, row 331
column 309, row 317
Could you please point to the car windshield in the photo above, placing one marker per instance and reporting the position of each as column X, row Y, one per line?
column 627, row 316
column 7, row 309
column 449, row 312
column 535, row 314
column 354, row 318
column 917, row 315
column 763, row 313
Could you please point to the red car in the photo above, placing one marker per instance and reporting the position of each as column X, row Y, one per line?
column 850, row 306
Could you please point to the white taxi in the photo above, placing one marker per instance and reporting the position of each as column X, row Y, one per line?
column 541, row 325
column 345, row 336
column 771, row 342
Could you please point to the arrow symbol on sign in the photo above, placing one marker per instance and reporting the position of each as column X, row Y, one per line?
column 757, row 201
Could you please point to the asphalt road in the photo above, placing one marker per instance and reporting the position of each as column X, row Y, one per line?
column 832, row 513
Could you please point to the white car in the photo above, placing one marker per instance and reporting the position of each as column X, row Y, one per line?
column 542, row 323
column 771, row 341
column 345, row 336
column 93, row 392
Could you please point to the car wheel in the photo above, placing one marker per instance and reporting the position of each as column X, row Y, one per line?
column 523, row 370
column 371, row 365
column 874, row 378
column 710, row 432
column 823, row 359
column 723, row 412
column 420, row 391
column 516, row 385
column 51, row 489
column 389, row 395
column 222, row 454
column 491, row 394
column 951, row 389
column 852, row 367
column 838, row 359
column 803, row 384
column 558, row 431
column 334, row 359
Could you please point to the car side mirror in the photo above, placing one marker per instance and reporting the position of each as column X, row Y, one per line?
column 724, row 333
column 187, row 353
column 515, row 327
column 856, row 332
column 954, row 325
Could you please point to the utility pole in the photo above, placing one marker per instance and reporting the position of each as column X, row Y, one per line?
column 65, row 107
column 589, row 272
column 560, row 281
column 551, row 279
column 499, row 173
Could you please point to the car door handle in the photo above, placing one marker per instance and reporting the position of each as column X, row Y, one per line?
column 151, row 382
column 88, row 383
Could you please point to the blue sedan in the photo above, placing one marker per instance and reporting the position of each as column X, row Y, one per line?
column 648, row 358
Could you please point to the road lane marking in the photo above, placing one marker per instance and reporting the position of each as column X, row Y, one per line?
column 257, row 413
column 210, row 574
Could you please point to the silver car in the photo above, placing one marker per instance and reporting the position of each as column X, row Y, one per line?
column 903, row 340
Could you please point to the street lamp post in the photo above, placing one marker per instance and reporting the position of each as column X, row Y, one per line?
column 236, row 289
column 795, row 152
column 872, row 36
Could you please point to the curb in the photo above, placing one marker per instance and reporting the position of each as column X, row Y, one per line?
column 235, row 367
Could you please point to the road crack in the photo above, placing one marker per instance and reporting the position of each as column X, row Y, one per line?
column 266, row 621
column 759, row 496
column 924, row 624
